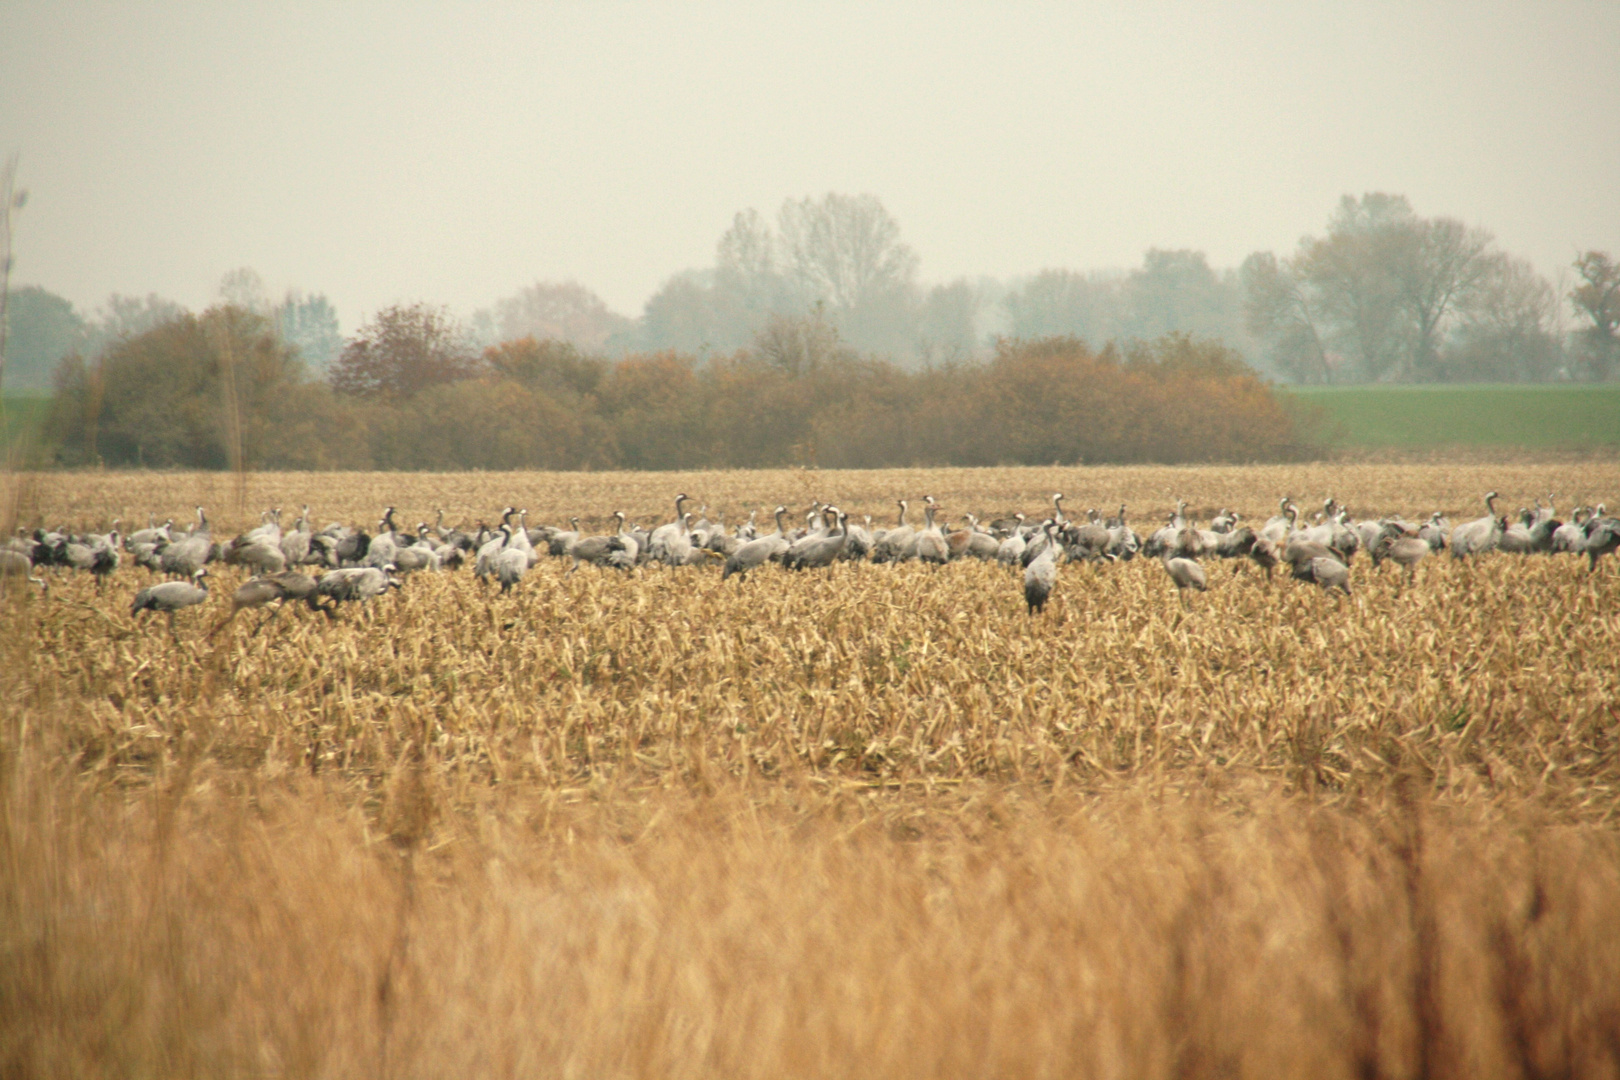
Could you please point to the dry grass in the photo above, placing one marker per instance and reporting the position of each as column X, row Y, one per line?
column 875, row 821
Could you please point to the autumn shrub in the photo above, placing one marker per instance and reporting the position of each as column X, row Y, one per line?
column 407, row 394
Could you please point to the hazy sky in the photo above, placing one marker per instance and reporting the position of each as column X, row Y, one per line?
column 455, row 152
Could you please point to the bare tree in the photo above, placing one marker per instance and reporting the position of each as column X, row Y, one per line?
column 1508, row 330
column 800, row 344
column 947, row 323
column 566, row 311
column 846, row 250
column 1067, row 303
column 1281, row 309
column 747, row 249
column 1440, row 265
column 244, row 288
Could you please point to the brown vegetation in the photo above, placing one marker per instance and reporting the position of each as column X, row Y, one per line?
column 875, row 821
column 407, row 394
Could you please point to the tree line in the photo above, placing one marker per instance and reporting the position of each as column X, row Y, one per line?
column 1383, row 295
column 1389, row 296
column 413, row 391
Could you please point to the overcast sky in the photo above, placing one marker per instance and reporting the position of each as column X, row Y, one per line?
column 382, row 152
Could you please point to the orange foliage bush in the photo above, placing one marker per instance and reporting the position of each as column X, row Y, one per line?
column 531, row 404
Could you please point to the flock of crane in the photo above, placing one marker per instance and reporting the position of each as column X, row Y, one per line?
column 357, row 565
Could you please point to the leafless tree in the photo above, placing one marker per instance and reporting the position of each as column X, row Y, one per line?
column 846, row 249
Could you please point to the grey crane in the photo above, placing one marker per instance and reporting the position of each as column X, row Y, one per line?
column 1185, row 573
column 563, row 540
column 757, row 552
column 171, row 596
column 1277, row 526
column 615, row 549
column 972, row 542
column 1516, row 539
column 1481, row 534
column 275, row 589
column 1602, row 537
column 669, row 542
column 930, row 542
column 1264, row 554
column 191, row 554
column 821, row 550
column 295, row 544
column 356, row 584
column 1571, row 536
column 512, row 562
column 1406, row 551
column 1435, row 532
column 1041, row 573
column 1327, row 572
column 889, row 546
column 1011, row 550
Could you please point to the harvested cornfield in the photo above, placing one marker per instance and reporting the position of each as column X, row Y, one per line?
column 871, row 819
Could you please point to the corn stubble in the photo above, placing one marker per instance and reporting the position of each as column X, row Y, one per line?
column 871, row 821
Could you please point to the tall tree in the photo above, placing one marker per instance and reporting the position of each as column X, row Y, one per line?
column 44, row 328
column 243, row 288
column 1597, row 298
column 749, row 282
column 566, row 311
column 1507, row 331
column 845, row 250
column 684, row 315
column 124, row 317
column 402, row 351
column 1280, row 309
column 1176, row 291
column 1066, row 303
column 947, row 323
column 310, row 324
column 1352, row 270
column 1439, row 267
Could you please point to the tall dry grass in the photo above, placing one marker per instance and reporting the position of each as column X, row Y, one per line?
column 218, row 928
column 875, row 821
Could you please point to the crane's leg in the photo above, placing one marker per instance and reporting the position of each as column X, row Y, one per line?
column 221, row 625
column 268, row 619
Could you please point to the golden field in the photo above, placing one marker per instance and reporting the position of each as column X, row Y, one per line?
column 868, row 821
